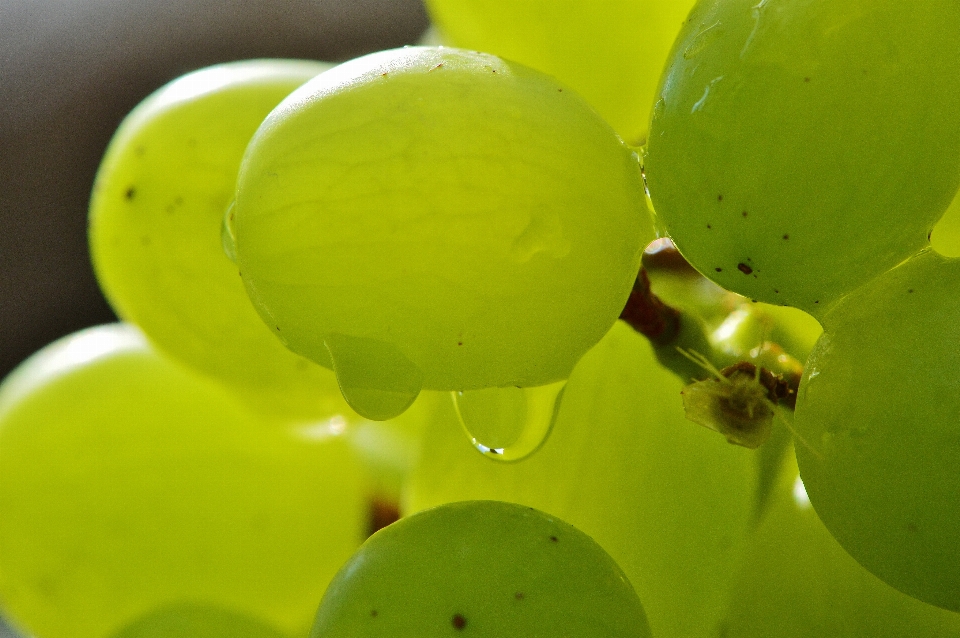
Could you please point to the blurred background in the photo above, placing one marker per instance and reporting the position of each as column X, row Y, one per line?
column 71, row 70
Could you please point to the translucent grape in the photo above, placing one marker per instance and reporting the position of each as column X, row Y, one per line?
column 788, row 138
column 437, row 218
column 797, row 582
column 945, row 238
column 128, row 483
column 483, row 568
column 610, row 52
column 158, row 205
column 669, row 500
column 880, row 407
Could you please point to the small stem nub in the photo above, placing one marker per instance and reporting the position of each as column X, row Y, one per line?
column 648, row 315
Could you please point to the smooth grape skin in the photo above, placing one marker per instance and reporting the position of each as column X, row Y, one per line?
column 797, row 582
column 798, row 149
column 196, row 621
column 946, row 234
column 670, row 501
column 437, row 217
column 158, row 205
column 879, row 406
column 128, row 483
column 483, row 568
column 609, row 52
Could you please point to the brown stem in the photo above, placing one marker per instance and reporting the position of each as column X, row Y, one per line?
column 648, row 315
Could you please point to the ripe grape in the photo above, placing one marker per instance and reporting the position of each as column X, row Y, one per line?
column 788, row 139
column 669, row 500
column 483, row 568
column 610, row 52
column 128, row 483
column 945, row 238
column 879, row 405
column 155, row 233
column 196, row 621
column 437, row 218
column 797, row 582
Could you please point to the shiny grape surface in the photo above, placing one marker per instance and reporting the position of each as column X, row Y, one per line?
column 438, row 218
column 880, row 407
column 156, row 215
column 128, row 484
column 480, row 568
column 610, row 52
column 788, row 141
column 668, row 499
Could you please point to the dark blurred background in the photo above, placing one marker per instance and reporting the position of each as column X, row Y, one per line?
column 70, row 71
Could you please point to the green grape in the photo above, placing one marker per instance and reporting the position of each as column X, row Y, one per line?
column 879, row 406
column 129, row 483
column 155, row 233
column 769, row 156
column 945, row 238
column 797, row 582
column 669, row 500
column 441, row 219
column 483, row 568
column 610, row 52
column 196, row 621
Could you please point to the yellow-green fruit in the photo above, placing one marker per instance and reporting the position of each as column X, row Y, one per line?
column 156, row 215
column 128, row 484
column 480, row 568
column 438, row 218
column 611, row 52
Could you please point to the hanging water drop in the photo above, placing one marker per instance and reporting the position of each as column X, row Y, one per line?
column 509, row 424
column 375, row 377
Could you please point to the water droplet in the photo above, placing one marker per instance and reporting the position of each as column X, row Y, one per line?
column 509, row 424
column 701, row 40
column 375, row 377
column 227, row 237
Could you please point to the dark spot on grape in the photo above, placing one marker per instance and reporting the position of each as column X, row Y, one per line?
column 817, row 301
column 744, row 213
column 519, row 595
column 278, row 328
column 754, row 276
column 373, row 612
column 930, row 234
column 719, row 198
column 553, row 539
column 709, row 227
column 383, row 75
column 910, row 290
column 458, row 622
column 912, row 527
column 786, row 237
column 131, row 193
column 745, row 269
column 776, row 291
column 718, row 269
column 437, row 67
column 806, row 79
column 560, row 90
column 459, row 343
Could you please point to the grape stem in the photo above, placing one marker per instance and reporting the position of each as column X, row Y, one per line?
column 672, row 331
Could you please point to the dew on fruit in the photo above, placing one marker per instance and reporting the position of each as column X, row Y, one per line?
column 375, row 377
column 509, row 424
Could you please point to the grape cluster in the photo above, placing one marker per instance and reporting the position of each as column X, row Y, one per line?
column 327, row 273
